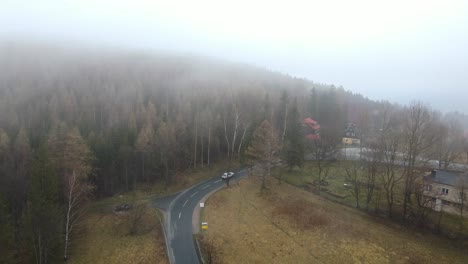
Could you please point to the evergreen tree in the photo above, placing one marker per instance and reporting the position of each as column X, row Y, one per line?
column 313, row 104
column 267, row 108
column 6, row 233
column 293, row 149
column 6, row 221
column 44, row 220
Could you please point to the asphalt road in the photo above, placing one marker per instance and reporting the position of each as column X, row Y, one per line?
column 179, row 209
column 353, row 154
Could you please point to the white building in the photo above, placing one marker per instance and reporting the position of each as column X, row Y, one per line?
column 448, row 191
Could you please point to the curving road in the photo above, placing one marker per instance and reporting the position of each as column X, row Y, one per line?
column 178, row 210
column 353, row 153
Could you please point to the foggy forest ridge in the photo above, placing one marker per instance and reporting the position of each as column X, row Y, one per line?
column 65, row 57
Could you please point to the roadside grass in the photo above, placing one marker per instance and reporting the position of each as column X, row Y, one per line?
column 289, row 225
column 104, row 238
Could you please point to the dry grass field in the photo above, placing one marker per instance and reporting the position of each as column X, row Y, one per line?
column 289, row 225
column 106, row 240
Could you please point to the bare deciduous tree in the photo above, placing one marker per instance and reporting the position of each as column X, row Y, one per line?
column 419, row 136
column 264, row 150
column 450, row 143
column 462, row 185
column 324, row 152
column 355, row 178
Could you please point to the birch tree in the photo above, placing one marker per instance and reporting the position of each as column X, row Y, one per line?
column 73, row 158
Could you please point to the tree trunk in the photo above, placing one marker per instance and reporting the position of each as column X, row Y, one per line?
column 240, row 143
column 236, row 124
column 202, row 152
column 71, row 186
column 284, row 122
column 195, row 148
column 209, row 145
column 225, row 136
column 143, row 166
column 126, row 175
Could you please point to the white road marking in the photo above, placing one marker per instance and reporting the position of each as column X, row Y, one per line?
column 185, row 203
column 217, row 181
column 180, row 214
column 193, row 194
column 206, row 186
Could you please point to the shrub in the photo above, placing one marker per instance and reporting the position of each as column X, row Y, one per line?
column 304, row 214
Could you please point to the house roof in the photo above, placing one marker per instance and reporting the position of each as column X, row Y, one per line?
column 445, row 177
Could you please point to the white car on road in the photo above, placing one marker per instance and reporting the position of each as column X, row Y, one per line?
column 227, row 175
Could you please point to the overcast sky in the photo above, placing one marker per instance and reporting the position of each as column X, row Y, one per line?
column 399, row 50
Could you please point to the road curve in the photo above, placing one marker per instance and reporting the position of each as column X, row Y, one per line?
column 178, row 210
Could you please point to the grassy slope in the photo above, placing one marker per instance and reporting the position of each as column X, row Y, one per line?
column 105, row 240
column 252, row 228
column 336, row 179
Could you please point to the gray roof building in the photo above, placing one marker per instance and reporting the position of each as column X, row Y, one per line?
column 445, row 177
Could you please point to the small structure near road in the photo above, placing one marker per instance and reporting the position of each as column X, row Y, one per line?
column 311, row 129
column 204, row 225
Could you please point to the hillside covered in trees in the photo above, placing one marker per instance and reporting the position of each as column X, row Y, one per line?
column 146, row 118
column 82, row 123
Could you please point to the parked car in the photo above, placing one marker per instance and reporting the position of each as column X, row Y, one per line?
column 322, row 182
column 227, row 175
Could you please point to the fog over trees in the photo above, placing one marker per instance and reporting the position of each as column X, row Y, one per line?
column 82, row 123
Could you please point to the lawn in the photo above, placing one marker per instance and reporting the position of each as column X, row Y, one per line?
column 305, row 177
column 290, row 225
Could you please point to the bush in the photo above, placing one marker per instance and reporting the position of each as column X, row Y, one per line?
column 134, row 221
column 304, row 214
column 211, row 252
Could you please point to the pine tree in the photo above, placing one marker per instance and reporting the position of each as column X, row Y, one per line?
column 143, row 145
column 6, row 232
column 6, row 219
column 44, row 218
column 313, row 104
column 293, row 150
